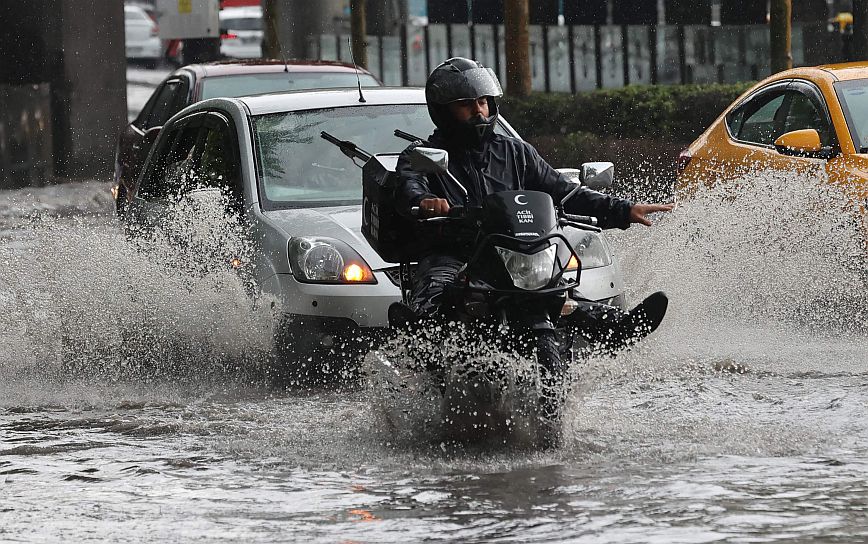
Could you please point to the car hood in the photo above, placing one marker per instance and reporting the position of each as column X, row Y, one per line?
column 341, row 222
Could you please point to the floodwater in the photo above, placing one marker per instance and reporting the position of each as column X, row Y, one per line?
column 741, row 420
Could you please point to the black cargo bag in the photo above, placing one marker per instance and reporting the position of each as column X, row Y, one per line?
column 391, row 235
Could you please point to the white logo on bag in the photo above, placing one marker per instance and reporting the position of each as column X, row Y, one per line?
column 518, row 200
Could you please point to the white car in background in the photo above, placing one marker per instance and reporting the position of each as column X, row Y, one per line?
column 142, row 39
column 241, row 32
column 300, row 199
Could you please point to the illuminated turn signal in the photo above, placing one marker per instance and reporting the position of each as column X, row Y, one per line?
column 355, row 273
column 573, row 263
column 236, row 263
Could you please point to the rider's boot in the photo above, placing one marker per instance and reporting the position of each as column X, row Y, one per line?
column 612, row 328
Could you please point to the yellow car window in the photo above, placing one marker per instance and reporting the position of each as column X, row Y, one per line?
column 853, row 96
column 759, row 126
column 803, row 114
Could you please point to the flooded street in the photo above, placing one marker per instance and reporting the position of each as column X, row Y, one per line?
column 741, row 420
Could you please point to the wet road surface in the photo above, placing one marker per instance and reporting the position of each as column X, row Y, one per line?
column 741, row 420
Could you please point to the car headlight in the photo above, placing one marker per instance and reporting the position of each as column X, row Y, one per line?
column 592, row 250
column 327, row 260
column 529, row 271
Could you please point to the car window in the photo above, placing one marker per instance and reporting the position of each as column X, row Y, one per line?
column 803, row 113
column 759, row 118
column 853, row 96
column 217, row 165
column 171, row 168
column 248, row 84
column 299, row 168
column 169, row 102
column 241, row 23
column 142, row 120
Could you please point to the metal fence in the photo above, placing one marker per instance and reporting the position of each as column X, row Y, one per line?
column 577, row 58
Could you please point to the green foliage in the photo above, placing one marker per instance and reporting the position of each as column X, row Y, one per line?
column 671, row 113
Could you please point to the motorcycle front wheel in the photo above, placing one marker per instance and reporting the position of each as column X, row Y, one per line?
column 552, row 369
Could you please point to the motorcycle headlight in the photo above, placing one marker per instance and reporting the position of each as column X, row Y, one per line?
column 327, row 260
column 529, row 271
column 592, row 250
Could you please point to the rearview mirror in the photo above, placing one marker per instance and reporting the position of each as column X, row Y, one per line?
column 802, row 143
column 598, row 175
column 429, row 160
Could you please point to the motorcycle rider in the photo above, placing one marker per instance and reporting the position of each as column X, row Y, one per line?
column 462, row 101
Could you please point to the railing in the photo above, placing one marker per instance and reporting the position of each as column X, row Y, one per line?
column 577, row 58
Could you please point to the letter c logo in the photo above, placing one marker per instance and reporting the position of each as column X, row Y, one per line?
column 518, row 200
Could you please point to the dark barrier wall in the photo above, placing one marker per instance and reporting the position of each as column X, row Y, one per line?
column 542, row 12
column 488, row 12
column 634, row 12
column 688, row 12
column 585, row 12
column 77, row 48
column 743, row 12
column 449, row 11
column 810, row 10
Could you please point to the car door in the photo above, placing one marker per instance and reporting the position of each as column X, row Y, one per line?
column 168, row 99
column 168, row 172
column 215, row 195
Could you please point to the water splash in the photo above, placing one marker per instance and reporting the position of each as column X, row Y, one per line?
column 80, row 297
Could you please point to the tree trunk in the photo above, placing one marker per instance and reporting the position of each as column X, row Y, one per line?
column 780, row 16
column 270, row 41
column 516, row 17
column 357, row 21
column 860, row 29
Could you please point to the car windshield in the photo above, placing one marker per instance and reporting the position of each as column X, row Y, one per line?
column 241, row 23
column 300, row 169
column 247, row 84
column 853, row 96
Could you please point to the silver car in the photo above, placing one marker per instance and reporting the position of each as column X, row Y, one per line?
column 300, row 200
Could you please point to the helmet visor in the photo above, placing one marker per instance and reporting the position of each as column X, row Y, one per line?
column 468, row 85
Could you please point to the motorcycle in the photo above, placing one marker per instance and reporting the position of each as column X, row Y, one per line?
column 513, row 291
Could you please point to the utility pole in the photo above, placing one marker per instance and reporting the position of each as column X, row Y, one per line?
column 860, row 29
column 359, row 31
column 516, row 18
column 270, row 36
column 780, row 19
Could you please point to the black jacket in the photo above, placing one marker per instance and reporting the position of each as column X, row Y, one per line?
column 503, row 164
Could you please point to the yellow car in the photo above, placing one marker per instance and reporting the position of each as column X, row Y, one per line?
column 797, row 120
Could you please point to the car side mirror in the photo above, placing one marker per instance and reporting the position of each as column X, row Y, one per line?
column 802, row 143
column 598, row 175
column 429, row 160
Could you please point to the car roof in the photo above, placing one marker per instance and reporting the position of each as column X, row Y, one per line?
column 829, row 72
column 331, row 98
column 264, row 66
column 848, row 70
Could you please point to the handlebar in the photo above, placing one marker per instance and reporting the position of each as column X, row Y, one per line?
column 585, row 219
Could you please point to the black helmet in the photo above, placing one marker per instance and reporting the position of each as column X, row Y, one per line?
column 462, row 79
